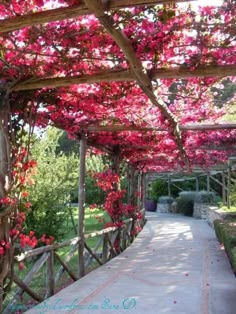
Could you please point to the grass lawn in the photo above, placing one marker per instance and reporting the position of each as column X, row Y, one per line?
column 230, row 115
column 226, row 209
column 94, row 221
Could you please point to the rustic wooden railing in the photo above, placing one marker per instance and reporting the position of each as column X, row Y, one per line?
column 106, row 248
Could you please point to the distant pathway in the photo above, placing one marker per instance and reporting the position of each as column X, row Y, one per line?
column 174, row 266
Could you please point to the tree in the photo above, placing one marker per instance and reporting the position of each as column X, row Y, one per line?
column 55, row 179
column 67, row 145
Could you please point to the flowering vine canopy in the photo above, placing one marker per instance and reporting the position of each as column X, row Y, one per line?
column 155, row 78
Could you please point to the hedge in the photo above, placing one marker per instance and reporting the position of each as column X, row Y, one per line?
column 226, row 234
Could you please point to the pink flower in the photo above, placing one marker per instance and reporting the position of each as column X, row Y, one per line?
column 25, row 194
column 21, row 265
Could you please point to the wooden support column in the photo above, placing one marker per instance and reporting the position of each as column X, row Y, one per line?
column 128, row 184
column 116, row 170
column 131, row 196
column 223, row 189
column 228, row 186
column 116, row 161
column 144, row 189
column 50, row 275
column 5, row 185
column 169, row 187
column 81, row 204
column 208, row 182
column 139, row 192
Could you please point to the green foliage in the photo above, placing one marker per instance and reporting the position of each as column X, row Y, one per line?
column 233, row 258
column 92, row 224
column 94, row 163
column 226, row 234
column 233, row 194
column 95, row 219
column 218, row 226
column 157, row 189
column 94, row 195
column 56, row 183
column 226, row 209
column 185, row 202
column 205, row 197
column 222, row 95
column 66, row 145
column 57, row 176
column 160, row 187
column 184, row 206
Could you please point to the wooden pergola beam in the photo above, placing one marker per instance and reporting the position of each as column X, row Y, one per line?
column 194, row 169
column 187, row 127
column 200, row 71
column 107, row 76
column 74, row 11
column 218, row 148
column 125, row 75
column 216, row 126
column 122, row 128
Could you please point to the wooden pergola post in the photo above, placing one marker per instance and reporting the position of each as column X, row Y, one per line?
column 5, row 184
column 169, row 187
column 144, row 189
column 139, row 198
column 131, row 195
column 223, row 189
column 208, row 182
column 81, row 204
column 115, row 166
column 228, row 185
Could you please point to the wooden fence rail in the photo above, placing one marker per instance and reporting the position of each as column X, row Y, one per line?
column 111, row 242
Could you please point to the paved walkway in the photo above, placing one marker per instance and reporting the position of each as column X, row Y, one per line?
column 174, row 266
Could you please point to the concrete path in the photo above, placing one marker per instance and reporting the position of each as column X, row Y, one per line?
column 174, row 266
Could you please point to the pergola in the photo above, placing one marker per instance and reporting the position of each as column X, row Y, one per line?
column 136, row 79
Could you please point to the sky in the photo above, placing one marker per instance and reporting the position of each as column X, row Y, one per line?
column 203, row 3
column 209, row 2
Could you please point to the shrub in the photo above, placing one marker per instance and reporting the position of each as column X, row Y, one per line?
column 205, row 197
column 218, row 226
column 166, row 200
column 184, row 206
column 157, row 189
column 185, row 202
column 226, row 234
column 233, row 259
column 55, row 178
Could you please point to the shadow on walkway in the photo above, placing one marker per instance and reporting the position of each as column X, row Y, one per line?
column 174, row 266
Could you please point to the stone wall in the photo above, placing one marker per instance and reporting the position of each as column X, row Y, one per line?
column 211, row 213
column 214, row 213
column 201, row 211
column 163, row 208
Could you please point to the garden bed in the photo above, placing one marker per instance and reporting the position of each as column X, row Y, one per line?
column 226, row 234
column 214, row 213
